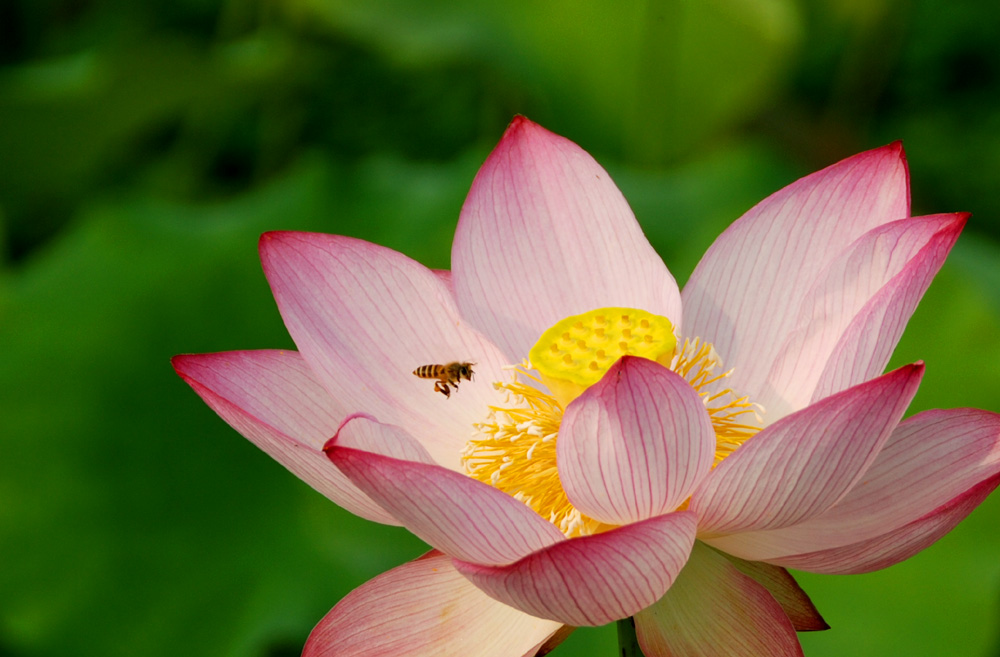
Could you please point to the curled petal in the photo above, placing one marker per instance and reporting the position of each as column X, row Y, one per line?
column 747, row 293
column 541, row 209
column 635, row 444
column 853, row 317
column 365, row 433
column 596, row 579
column 714, row 609
column 930, row 460
column 274, row 399
column 896, row 545
column 456, row 514
column 801, row 465
column 426, row 609
column 365, row 317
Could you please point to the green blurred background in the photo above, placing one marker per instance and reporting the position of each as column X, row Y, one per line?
column 145, row 145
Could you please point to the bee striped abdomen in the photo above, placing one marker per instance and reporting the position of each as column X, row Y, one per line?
column 429, row 371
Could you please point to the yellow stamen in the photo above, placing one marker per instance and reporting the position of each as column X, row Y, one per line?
column 516, row 453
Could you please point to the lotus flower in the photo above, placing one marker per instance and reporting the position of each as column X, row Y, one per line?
column 624, row 449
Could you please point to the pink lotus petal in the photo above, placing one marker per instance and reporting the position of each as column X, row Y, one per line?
column 897, row 545
column 851, row 320
column 747, row 293
column 273, row 398
column 424, row 608
column 454, row 513
column 785, row 590
column 545, row 234
column 714, row 609
column 804, row 463
column 596, row 579
column 364, row 317
column 635, row 444
column 930, row 459
column 444, row 275
column 365, row 433
column 868, row 342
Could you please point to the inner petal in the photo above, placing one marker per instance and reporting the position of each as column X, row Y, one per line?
column 515, row 447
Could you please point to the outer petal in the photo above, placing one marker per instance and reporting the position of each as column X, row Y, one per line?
column 786, row 591
column 593, row 580
column 364, row 317
column 930, row 461
column 425, row 609
column 543, row 216
column 273, row 398
column 852, row 319
column 897, row 545
column 803, row 464
column 714, row 609
column 746, row 294
column 635, row 444
column 454, row 513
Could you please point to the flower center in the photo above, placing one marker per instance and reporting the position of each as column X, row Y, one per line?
column 515, row 448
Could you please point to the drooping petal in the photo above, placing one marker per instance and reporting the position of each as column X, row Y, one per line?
column 852, row 319
column 274, row 399
column 545, row 234
column 456, row 514
column 426, row 609
column 635, row 444
column 596, row 579
column 746, row 294
column 364, row 317
column 930, row 460
column 786, row 591
column 714, row 609
column 803, row 464
column 896, row 545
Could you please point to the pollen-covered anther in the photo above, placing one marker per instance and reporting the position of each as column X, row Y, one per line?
column 515, row 451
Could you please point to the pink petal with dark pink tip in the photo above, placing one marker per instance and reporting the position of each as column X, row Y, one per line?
column 424, row 608
column 456, row 514
column 635, row 444
column 896, row 545
column 596, row 579
column 851, row 320
column 866, row 345
column 930, row 460
column 274, row 400
column 800, row 466
column 713, row 610
column 364, row 317
column 545, row 234
column 747, row 293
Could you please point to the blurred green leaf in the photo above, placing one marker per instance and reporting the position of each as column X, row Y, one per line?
column 134, row 521
column 69, row 123
column 649, row 80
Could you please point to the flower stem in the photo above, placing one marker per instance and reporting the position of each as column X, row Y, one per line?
column 628, row 645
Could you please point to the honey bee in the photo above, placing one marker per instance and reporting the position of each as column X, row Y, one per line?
column 446, row 375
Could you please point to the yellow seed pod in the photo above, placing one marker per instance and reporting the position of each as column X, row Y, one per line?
column 574, row 353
